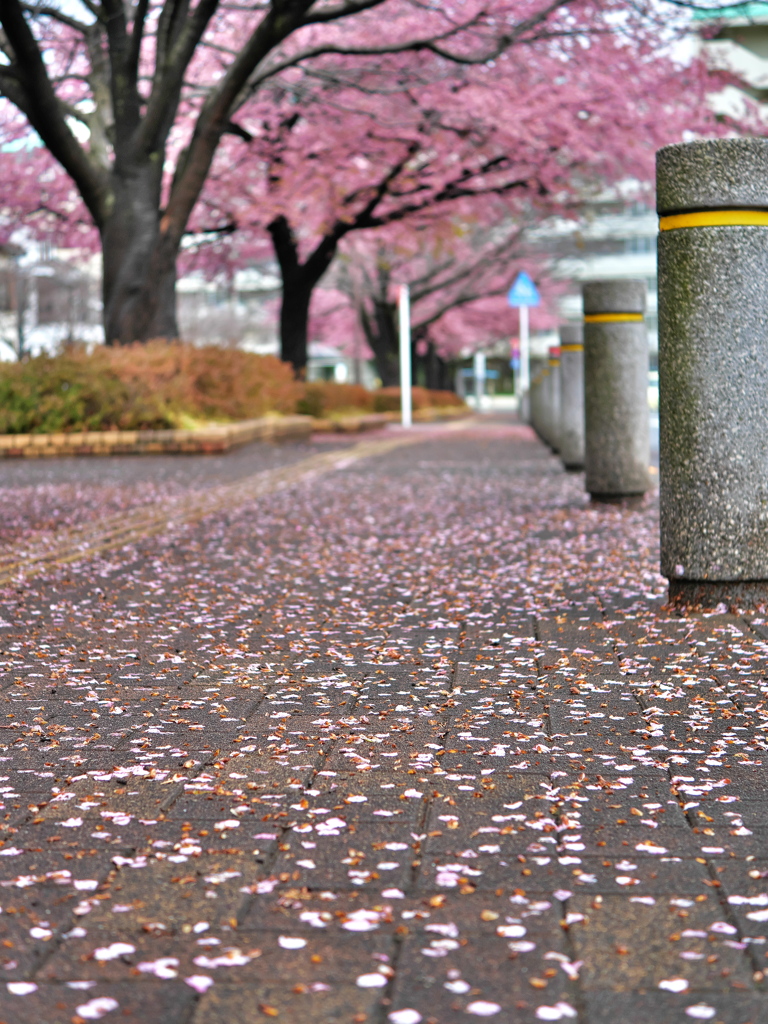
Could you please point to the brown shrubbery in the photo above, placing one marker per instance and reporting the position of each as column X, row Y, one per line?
column 163, row 385
column 141, row 386
column 73, row 392
column 209, row 383
column 388, row 399
column 324, row 398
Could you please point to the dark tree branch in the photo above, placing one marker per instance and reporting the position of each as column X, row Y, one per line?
column 343, row 10
column 125, row 98
column 27, row 85
column 343, row 51
column 285, row 246
column 169, row 77
column 44, row 11
column 167, row 27
column 232, row 128
column 220, row 105
column 224, row 229
column 455, row 303
column 137, row 35
column 430, row 44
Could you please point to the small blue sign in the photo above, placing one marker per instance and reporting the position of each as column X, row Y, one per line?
column 523, row 292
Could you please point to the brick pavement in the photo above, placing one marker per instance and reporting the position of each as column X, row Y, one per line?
column 408, row 739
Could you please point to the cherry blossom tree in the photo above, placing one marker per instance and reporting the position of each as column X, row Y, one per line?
column 337, row 148
column 133, row 98
column 458, row 280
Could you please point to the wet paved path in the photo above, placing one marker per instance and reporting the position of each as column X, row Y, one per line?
column 400, row 733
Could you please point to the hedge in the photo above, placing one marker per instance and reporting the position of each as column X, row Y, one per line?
column 164, row 385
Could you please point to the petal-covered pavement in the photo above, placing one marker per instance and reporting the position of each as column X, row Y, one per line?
column 385, row 731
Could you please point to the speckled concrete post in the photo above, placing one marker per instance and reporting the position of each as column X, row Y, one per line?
column 713, row 371
column 537, row 397
column 572, row 396
column 617, row 444
column 545, row 402
column 553, row 424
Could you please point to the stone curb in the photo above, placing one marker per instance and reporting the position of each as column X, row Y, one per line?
column 216, row 438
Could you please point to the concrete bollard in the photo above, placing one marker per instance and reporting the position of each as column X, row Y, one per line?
column 572, row 396
column 553, row 423
column 616, row 439
column 713, row 371
column 537, row 397
column 544, row 402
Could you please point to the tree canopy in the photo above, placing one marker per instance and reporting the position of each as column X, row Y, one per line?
column 304, row 120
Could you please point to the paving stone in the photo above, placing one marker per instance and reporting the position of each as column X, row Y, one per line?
column 141, row 1000
column 252, row 1004
column 637, row 1008
column 502, row 757
column 646, row 945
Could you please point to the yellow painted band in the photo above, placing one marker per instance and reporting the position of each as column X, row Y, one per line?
column 571, row 348
column 554, row 362
column 715, row 219
column 613, row 318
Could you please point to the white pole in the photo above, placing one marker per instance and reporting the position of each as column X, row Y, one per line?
column 405, row 356
column 479, row 372
column 525, row 363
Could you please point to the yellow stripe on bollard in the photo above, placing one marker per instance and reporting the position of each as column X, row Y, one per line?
column 715, row 219
column 613, row 318
column 571, row 348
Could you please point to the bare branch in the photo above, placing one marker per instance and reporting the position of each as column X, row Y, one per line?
column 455, row 302
column 429, row 44
column 348, row 51
column 44, row 11
column 343, row 10
column 233, row 128
column 224, row 229
column 26, row 84
column 137, row 34
column 506, row 40
column 169, row 79
column 220, row 106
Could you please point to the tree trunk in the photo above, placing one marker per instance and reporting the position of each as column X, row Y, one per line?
column 139, row 259
column 22, row 306
column 438, row 373
column 445, row 378
column 294, row 321
column 381, row 332
column 433, row 369
column 299, row 281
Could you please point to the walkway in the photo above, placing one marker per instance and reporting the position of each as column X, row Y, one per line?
column 398, row 733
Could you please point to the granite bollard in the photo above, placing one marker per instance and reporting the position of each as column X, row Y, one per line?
column 713, row 371
column 536, row 394
column 545, row 389
column 553, row 418
column 571, row 437
column 616, row 427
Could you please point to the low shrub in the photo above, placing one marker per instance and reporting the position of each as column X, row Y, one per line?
column 446, row 400
column 323, row 398
column 388, row 399
column 73, row 392
column 168, row 384
column 153, row 385
column 210, row 383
